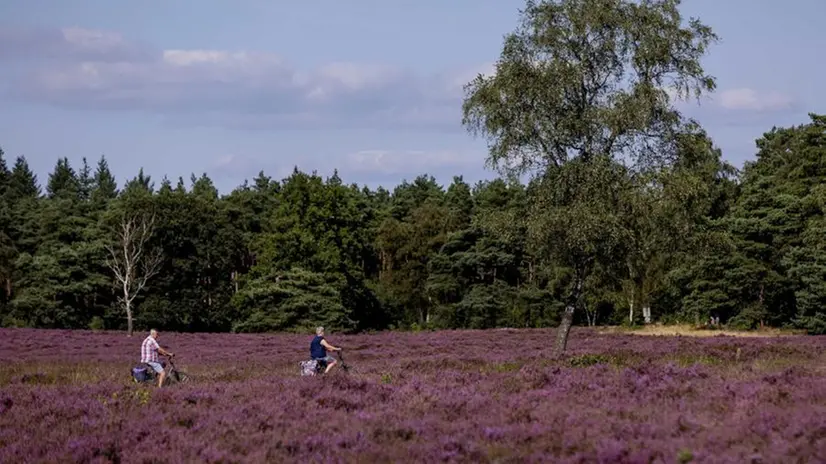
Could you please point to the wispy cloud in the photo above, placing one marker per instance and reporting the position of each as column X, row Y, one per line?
column 750, row 99
column 405, row 161
column 80, row 68
column 91, row 69
column 67, row 45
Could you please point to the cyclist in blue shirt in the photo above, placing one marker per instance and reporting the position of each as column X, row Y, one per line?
column 319, row 348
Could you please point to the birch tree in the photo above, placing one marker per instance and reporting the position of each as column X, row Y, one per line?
column 132, row 259
column 582, row 90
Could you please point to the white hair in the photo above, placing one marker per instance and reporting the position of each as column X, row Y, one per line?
column 153, row 332
column 319, row 330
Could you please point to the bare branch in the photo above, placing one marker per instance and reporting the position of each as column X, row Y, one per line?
column 131, row 260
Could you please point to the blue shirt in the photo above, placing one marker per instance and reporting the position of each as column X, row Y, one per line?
column 316, row 350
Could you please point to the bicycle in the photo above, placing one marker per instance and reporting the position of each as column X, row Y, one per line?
column 319, row 366
column 143, row 373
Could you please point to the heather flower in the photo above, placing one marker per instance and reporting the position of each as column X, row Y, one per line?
column 65, row 396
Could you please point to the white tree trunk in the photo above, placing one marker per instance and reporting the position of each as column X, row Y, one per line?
column 591, row 316
column 127, row 301
column 128, row 305
column 631, row 311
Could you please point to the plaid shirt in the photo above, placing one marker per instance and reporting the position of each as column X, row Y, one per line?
column 149, row 350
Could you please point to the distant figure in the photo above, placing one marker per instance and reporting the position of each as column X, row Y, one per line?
column 319, row 348
column 149, row 354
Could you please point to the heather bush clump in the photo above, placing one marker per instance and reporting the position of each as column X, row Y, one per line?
column 425, row 397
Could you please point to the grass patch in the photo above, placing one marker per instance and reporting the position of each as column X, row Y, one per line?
column 691, row 360
column 500, row 367
column 776, row 363
column 685, row 456
column 58, row 374
column 587, row 360
column 686, row 330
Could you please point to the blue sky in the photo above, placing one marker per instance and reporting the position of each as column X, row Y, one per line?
column 370, row 87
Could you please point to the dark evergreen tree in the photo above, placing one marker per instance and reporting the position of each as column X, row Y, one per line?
column 684, row 240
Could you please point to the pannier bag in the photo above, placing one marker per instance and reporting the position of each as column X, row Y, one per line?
column 139, row 373
column 308, row 367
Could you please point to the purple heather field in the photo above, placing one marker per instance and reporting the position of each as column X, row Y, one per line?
column 464, row 396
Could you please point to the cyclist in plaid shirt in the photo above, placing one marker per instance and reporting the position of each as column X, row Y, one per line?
column 149, row 354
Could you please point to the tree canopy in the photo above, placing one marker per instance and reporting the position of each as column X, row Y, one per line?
column 580, row 101
column 696, row 240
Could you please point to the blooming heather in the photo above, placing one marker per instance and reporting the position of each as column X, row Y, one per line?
column 466, row 396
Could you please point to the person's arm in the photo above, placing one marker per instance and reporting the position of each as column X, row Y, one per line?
column 164, row 352
column 329, row 346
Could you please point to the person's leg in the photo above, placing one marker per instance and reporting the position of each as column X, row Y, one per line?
column 159, row 370
column 331, row 361
column 320, row 364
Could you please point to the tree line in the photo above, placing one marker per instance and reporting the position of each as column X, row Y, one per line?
column 611, row 208
column 703, row 240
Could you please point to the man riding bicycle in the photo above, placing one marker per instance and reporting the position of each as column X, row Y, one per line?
column 149, row 355
column 319, row 348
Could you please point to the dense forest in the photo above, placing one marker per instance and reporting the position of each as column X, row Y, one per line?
column 613, row 209
column 307, row 250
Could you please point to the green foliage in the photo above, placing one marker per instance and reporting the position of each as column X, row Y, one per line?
column 686, row 239
column 587, row 360
column 767, row 265
column 8, row 251
column 599, row 69
column 297, row 299
column 97, row 323
column 580, row 100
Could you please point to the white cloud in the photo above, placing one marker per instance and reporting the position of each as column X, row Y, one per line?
column 81, row 68
column 410, row 161
column 359, row 76
column 67, row 45
column 750, row 99
column 91, row 40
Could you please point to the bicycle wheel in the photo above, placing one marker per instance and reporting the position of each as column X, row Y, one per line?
column 349, row 369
